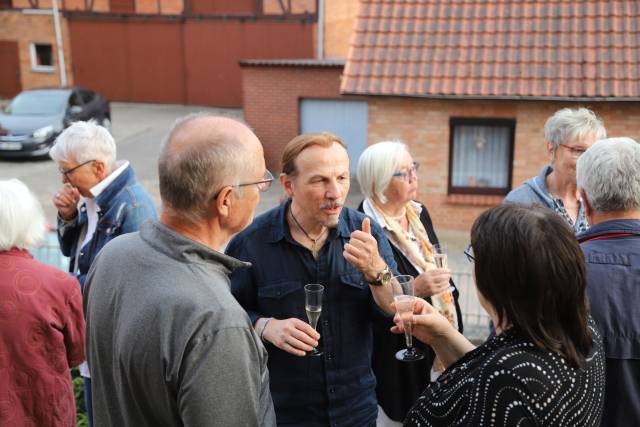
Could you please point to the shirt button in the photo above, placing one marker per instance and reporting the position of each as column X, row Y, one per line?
column 330, row 356
column 81, row 253
column 325, row 322
column 332, row 390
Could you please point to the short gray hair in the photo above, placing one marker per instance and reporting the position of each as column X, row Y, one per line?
column 22, row 223
column 376, row 167
column 608, row 173
column 84, row 141
column 191, row 175
column 571, row 124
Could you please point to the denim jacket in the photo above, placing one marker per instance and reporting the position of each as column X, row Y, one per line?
column 124, row 206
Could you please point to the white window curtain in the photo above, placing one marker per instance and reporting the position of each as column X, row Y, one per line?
column 480, row 156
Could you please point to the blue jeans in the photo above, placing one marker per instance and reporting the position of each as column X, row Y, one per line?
column 87, row 399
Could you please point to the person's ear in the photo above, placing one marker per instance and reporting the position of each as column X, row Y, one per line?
column 99, row 169
column 287, row 184
column 551, row 151
column 224, row 202
column 585, row 204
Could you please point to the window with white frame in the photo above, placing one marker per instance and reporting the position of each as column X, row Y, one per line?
column 42, row 57
column 481, row 156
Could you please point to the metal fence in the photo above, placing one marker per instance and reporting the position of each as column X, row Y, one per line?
column 475, row 319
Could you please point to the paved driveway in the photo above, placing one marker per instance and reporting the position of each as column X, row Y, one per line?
column 139, row 129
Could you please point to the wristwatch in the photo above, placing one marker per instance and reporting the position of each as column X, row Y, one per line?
column 384, row 277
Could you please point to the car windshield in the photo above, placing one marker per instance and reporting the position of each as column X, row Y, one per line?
column 39, row 103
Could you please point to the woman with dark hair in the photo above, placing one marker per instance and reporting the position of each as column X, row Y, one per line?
column 389, row 181
column 545, row 365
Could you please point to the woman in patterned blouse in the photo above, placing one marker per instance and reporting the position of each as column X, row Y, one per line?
column 545, row 366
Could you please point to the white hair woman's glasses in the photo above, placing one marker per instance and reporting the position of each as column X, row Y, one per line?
column 68, row 172
column 408, row 175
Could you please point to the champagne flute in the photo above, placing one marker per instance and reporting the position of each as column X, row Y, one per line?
column 402, row 289
column 440, row 255
column 313, row 306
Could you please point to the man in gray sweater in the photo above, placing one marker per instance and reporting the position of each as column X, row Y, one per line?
column 167, row 343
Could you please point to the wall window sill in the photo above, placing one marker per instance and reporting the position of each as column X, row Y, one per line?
column 474, row 199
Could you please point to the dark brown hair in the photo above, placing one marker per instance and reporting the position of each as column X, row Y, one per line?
column 300, row 143
column 530, row 268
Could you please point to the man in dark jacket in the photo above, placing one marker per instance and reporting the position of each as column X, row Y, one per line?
column 112, row 201
column 609, row 182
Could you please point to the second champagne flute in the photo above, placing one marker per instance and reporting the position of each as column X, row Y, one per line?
column 313, row 306
column 402, row 288
column 440, row 255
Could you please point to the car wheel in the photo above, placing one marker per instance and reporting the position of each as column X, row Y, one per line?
column 106, row 123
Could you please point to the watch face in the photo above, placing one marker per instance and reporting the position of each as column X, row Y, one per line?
column 386, row 276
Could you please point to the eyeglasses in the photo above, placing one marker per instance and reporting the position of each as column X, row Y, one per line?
column 68, row 172
column 409, row 175
column 575, row 151
column 469, row 254
column 263, row 185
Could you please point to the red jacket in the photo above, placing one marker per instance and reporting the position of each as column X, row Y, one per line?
column 41, row 338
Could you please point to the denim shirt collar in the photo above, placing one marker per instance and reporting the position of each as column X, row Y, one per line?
column 280, row 228
column 126, row 178
column 617, row 226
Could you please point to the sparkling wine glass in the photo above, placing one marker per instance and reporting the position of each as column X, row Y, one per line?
column 402, row 288
column 313, row 306
column 440, row 255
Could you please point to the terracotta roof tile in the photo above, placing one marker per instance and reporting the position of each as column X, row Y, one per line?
column 569, row 49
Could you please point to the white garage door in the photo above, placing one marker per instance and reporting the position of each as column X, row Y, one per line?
column 347, row 119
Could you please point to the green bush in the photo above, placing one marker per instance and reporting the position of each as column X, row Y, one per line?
column 82, row 420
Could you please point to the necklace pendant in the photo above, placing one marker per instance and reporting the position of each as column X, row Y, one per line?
column 314, row 249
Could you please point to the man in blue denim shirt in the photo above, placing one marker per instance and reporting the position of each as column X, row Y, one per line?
column 608, row 177
column 113, row 203
column 311, row 238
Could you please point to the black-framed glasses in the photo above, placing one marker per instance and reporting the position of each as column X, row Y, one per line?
column 469, row 254
column 409, row 175
column 263, row 185
column 68, row 172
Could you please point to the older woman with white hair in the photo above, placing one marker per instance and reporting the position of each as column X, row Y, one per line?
column 388, row 178
column 41, row 320
column 569, row 133
column 112, row 201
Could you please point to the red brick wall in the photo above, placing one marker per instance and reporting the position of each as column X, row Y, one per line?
column 271, row 97
column 271, row 107
column 424, row 125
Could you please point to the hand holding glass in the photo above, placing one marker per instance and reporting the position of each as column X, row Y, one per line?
column 313, row 306
column 402, row 289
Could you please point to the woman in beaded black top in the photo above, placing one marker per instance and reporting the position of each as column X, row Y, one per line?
column 545, row 365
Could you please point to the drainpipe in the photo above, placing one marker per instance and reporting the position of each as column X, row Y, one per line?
column 320, row 46
column 56, row 26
